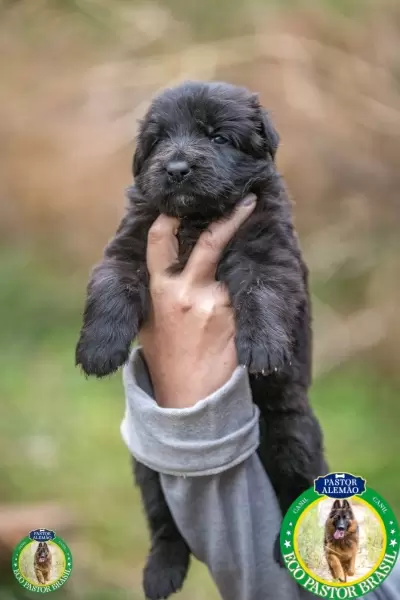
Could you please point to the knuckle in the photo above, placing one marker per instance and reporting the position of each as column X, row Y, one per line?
column 222, row 298
column 209, row 242
column 156, row 233
column 208, row 306
column 157, row 286
column 184, row 301
column 211, row 310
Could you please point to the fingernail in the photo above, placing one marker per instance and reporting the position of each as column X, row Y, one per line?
column 249, row 200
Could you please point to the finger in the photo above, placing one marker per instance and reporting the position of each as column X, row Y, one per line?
column 162, row 245
column 206, row 254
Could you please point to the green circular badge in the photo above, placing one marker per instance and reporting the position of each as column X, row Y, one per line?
column 339, row 539
column 42, row 562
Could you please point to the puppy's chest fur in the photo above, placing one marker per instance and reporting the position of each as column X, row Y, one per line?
column 190, row 230
column 188, row 234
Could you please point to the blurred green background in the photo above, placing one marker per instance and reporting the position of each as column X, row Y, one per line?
column 75, row 77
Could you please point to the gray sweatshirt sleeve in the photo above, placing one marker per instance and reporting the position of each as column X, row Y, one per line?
column 214, row 483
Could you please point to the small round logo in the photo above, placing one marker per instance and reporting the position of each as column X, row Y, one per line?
column 340, row 539
column 42, row 562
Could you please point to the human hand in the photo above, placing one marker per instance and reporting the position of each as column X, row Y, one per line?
column 189, row 339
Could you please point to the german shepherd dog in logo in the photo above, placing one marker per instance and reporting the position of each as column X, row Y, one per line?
column 42, row 563
column 341, row 541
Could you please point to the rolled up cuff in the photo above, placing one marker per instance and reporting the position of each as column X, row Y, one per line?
column 216, row 434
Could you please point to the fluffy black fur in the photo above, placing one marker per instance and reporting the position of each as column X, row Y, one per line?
column 200, row 149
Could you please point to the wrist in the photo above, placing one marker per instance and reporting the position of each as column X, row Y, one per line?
column 184, row 384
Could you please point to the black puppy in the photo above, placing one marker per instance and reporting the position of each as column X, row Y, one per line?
column 200, row 149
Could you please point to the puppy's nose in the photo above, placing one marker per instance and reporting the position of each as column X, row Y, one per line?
column 178, row 170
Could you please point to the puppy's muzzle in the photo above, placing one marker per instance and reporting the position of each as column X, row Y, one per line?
column 177, row 171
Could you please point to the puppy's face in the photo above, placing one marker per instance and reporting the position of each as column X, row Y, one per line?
column 201, row 147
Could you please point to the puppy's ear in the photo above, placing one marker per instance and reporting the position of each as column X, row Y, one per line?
column 138, row 157
column 137, row 161
column 346, row 504
column 144, row 144
column 270, row 133
column 336, row 505
column 266, row 129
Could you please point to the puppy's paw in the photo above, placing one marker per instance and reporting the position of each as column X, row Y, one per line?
column 101, row 355
column 166, row 569
column 260, row 356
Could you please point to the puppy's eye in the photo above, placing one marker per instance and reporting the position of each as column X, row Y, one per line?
column 158, row 135
column 156, row 139
column 219, row 139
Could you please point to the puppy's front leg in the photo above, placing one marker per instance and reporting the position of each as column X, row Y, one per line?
column 265, row 299
column 263, row 333
column 117, row 298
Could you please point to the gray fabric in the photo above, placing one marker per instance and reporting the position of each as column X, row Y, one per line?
column 390, row 588
column 213, row 436
column 215, row 484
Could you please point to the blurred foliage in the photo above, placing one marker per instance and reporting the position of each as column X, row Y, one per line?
column 374, row 538
column 75, row 77
column 208, row 18
column 310, row 539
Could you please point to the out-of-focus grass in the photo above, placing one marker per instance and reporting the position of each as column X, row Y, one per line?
column 59, row 433
column 207, row 19
column 374, row 538
column 310, row 538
